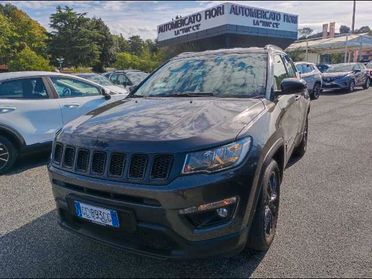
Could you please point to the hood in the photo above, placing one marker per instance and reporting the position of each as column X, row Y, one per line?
column 335, row 75
column 117, row 89
column 183, row 123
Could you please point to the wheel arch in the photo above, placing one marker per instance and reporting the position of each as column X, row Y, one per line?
column 13, row 136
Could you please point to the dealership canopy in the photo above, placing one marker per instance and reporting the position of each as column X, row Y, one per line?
column 233, row 24
column 350, row 41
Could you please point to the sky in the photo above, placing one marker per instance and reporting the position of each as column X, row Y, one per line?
column 142, row 17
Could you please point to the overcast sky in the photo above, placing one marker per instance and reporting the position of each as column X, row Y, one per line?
column 142, row 18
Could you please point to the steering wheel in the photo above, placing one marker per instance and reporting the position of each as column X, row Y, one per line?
column 66, row 92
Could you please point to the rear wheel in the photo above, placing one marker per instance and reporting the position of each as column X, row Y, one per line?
column 366, row 84
column 351, row 86
column 265, row 220
column 8, row 154
column 300, row 150
column 316, row 91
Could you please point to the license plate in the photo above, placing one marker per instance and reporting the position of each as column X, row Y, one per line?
column 98, row 215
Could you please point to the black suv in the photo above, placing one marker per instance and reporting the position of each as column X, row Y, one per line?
column 190, row 164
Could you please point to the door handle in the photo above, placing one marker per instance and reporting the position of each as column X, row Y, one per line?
column 71, row 106
column 7, row 109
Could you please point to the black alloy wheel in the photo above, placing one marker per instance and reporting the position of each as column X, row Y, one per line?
column 316, row 91
column 8, row 154
column 265, row 220
column 351, row 86
column 366, row 84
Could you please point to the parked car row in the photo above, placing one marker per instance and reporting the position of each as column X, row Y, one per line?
column 343, row 76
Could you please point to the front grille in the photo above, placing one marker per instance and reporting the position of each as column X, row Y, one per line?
column 58, row 153
column 138, row 166
column 98, row 162
column 68, row 159
column 117, row 164
column 161, row 166
column 82, row 161
column 144, row 168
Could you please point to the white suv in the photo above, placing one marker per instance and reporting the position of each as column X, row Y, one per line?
column 34, row 105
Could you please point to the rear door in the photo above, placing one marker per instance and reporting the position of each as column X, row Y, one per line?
column 27, row 107
column 76, row 97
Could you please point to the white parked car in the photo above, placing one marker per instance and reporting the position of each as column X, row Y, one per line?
column 35, row 105
column 313, row 77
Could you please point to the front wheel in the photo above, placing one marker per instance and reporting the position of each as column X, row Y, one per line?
column 351, row 86
column 366, row 84
column 316, row 91
column 263, row 228
column 8, row 154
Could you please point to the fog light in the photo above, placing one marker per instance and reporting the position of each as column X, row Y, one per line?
column 222, row 212
column 208, row 206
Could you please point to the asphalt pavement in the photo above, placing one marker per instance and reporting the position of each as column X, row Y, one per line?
column 324, row 229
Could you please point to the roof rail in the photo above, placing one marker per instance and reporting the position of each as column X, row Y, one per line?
column 273, row 47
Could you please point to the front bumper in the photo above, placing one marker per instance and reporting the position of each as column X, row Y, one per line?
column 149, row 214
column 336, row 85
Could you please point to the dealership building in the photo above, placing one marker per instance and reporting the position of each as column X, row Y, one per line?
column 230, row 25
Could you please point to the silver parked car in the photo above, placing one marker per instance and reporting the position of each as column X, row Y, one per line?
column 313, row 77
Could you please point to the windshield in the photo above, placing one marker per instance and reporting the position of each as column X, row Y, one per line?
column 136, row 77
column 98, row 79
column 369, row 65
column 227, row 75
column 340, row 68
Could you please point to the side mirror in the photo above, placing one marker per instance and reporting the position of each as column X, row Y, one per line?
column 292, row 86
column 356, row 71
column 106, row 93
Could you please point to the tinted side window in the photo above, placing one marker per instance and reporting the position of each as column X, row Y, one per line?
column 280, row 72
column 31, row 88
column 291, row 69
column 67, row 88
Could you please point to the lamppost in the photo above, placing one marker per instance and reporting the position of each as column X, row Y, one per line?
column 60, row 61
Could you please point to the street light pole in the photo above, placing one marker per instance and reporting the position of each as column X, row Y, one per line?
column 353, row 20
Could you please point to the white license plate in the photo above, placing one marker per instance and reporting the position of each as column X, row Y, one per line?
column 99, row 215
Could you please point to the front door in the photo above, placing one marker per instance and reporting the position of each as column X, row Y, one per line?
column 289, row 122
column 28, row 108
column 76, row 97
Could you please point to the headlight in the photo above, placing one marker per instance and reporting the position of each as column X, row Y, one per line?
column 218, row 158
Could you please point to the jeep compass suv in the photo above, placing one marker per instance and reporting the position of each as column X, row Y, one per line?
column 191, row 163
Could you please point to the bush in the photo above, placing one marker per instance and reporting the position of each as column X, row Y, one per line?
column 28, row 60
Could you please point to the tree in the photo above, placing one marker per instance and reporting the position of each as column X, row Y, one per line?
column 28, row 60
column 73, row 38
column 136, row 45
column 28, row 31
column 8, row 40
column 363, row 29
column 305, row 32
column 103, row 39
column 344, row 29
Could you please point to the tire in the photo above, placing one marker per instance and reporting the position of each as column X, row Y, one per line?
column 366, row 84
column 264, row 222
column 300, row 150
column 351, row 86
column 316, row 91
column 8, row 154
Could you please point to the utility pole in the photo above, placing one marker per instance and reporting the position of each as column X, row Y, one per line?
column 353, row 21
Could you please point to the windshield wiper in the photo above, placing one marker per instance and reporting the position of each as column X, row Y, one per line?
column 185, row 94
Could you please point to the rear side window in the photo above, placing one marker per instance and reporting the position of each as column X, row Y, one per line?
column 68, row 87
column 31, row 88
column 280, row 71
